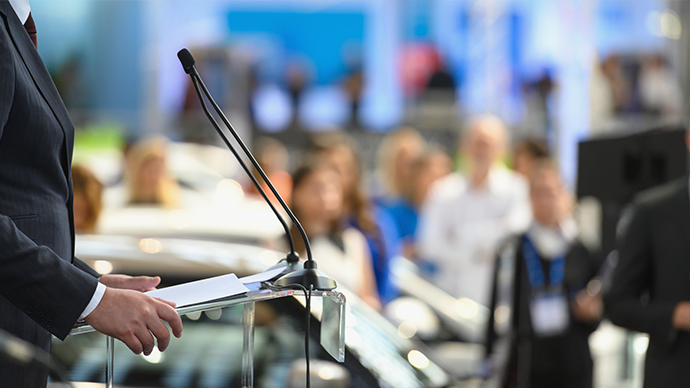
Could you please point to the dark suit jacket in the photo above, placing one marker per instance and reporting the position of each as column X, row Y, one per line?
column 563, row 360
column 43, row 288
column 652, row 276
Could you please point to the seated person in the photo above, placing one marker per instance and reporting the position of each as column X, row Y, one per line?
column 424, row 171
column 340, row 251
column 339, row 151
column 88, row 201
column 543, row 306
column 273, row 158
column 148, row 178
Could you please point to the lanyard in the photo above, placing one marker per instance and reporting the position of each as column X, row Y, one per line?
column 535, row 271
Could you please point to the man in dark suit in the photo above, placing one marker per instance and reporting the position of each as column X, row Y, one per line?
column 541, row 310
column 650, row 290
column 44, row 289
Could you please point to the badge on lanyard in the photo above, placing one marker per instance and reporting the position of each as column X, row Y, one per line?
column 549, row 309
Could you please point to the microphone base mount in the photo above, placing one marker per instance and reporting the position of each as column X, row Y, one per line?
column 307, row 277
column 289, row 264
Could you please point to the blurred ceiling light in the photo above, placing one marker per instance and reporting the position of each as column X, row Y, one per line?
column 229, row 191
column 150, row 245
column 155, row 357
column 671, row 26
column 664, row 24
column 414, row 316
column 502, row 314
column 417, row 359
column 103, row 267
column 268, row 257
column 331, row 372
column 466, row 308
column 640, row 344
column 321, row 108
column 272, row 108
column 407, row 329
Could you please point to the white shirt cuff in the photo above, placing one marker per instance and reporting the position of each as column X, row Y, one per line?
column 95, row 300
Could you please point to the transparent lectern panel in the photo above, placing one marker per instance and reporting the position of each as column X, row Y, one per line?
column 333, row 325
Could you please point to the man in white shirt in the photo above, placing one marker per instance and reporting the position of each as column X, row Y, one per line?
column 466, row 216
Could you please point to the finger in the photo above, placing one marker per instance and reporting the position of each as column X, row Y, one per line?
column 161, row 332
column 146, row 339
column 171, row 316
column 169, row 303
column 143, row 283
column 132, row 343
column 155, row 281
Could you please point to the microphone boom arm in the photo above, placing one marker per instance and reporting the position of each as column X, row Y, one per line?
column 309, row 277
column 244, row 166
column 195, row 74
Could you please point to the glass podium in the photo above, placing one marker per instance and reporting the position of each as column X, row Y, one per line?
column 331, row 314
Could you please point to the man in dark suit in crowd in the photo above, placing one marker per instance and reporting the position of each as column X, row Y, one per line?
column 542, row 310
column 44, row 289
column 650, row 290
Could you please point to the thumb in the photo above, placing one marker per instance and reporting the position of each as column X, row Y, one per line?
column 144, row 283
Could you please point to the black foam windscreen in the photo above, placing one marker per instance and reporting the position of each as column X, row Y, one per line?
column 186, row 59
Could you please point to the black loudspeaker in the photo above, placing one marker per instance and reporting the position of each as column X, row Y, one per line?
column 613, row 169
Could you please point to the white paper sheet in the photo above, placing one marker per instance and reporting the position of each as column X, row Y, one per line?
column 201, row 290
column 261, row 276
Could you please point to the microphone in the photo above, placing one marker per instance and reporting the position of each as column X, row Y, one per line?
column 292, row 259
column 187, row 60
column 308, row 277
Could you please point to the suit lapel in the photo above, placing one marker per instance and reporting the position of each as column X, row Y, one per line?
column 41, row 77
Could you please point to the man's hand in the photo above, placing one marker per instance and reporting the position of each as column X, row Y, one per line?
column 137, row 283
column 588, row 308
column 681, row 316
column 132, row 317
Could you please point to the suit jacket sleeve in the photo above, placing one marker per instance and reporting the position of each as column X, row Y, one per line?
column 86, row 268
column 50, row 290
column 631, row 280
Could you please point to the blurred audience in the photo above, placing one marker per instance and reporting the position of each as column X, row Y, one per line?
column 525, row 153
column 148, row 180
column 538, row 95
column 340, row 250
column 659, row 88
column 88, row 202
column 620, row 88
column 548, row 317
column 649, row 288
column 602, row 107
column 467, row 215
column 353, row 85
column 396, row 154
column 274, row 159
column 340, row 152
column 424, row 171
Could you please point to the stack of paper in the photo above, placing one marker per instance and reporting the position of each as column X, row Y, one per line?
column 201, row 291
